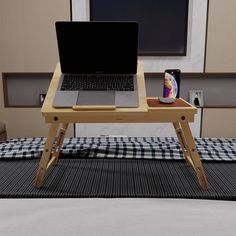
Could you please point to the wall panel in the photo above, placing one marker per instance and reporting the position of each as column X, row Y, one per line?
column 221, row 42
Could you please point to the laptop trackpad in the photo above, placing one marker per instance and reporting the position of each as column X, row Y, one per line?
column 96, row 98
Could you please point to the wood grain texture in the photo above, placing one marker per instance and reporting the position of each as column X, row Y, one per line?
column 184, row 113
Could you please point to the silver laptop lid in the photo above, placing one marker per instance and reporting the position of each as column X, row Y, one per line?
column 97, row 47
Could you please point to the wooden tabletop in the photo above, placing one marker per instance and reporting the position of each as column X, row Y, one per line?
column 143, row 113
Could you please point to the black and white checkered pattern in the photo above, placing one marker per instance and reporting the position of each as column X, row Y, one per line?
column 212, row 149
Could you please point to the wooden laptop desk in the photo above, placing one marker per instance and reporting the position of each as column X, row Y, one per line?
column 180, row 113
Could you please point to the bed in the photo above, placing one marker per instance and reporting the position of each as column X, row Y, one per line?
column 118, row 216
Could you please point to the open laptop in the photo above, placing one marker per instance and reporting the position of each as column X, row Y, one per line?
column 98, row 63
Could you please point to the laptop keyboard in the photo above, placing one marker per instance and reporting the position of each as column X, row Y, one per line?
column 98, row 82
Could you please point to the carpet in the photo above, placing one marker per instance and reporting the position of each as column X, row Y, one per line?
column 113, row 178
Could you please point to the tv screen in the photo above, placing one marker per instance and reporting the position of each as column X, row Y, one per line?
column 162, row 23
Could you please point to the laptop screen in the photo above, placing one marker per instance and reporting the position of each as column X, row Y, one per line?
column 97, row 47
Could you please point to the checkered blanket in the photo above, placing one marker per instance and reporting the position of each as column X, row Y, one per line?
column 212, row 149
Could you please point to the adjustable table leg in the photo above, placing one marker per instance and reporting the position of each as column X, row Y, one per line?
column 46, row 155
column 59, row 143
column 183, row 144
column 196, row 162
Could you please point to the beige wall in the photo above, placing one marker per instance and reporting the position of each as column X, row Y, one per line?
column 221, row 42
column 28, row 44
column 29, row 38
column 220, row 57
column 219, row 123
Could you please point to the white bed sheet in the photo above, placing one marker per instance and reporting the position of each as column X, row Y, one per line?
column 117, row 216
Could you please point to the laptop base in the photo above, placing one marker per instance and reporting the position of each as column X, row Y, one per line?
column 93, row 108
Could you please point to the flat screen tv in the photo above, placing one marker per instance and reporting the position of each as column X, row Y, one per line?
column 163, row 24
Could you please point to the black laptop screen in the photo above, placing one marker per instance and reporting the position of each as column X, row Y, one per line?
column 98, row 47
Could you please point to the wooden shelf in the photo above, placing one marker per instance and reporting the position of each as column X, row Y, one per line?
column 218, row 88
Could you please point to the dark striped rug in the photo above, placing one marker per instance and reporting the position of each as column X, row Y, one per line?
column 109, row 178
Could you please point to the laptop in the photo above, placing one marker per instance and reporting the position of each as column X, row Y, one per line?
column 98, row 64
